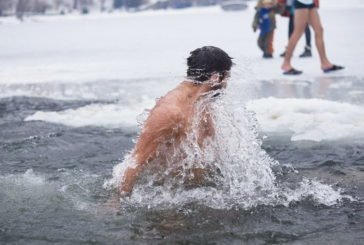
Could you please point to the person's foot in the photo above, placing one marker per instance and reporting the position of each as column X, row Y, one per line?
column 306, row 53
column 289, row 70
column 267, row 56
column 332, row 68
column 292, row 72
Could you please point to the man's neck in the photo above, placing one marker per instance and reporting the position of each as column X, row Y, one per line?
column 197, row 89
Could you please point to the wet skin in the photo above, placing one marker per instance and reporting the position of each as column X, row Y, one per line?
column 169, row 122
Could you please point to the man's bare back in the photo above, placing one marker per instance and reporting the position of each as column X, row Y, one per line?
column 171, row 120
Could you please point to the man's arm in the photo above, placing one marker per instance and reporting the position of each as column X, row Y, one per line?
column 163, row 123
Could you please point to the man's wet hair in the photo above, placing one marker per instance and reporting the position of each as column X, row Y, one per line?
column 203, row 62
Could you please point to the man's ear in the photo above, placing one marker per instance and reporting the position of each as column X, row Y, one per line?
column 215, row 77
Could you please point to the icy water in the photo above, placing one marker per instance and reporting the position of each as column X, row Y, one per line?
column 57, row 154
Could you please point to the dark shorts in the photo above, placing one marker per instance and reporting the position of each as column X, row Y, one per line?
column 299, row 5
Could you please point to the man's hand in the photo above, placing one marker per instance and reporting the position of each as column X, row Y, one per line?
column 130, row 177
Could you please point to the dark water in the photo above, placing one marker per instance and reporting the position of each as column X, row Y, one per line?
column 51, row 185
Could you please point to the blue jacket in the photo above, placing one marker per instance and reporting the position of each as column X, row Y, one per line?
column 265, row 23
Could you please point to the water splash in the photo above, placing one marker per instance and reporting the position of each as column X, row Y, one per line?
column 236, row 171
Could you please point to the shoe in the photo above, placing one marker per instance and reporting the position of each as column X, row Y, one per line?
column 267, row 56
column 306, row 53
column 333, row 68
column 292, row 71
column 283, row 54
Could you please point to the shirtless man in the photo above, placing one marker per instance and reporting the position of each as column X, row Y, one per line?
column 170, row 121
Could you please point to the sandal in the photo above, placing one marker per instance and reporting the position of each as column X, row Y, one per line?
column 292, row 71
column 333, row 68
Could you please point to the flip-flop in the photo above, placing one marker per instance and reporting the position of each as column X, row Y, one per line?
column 333, row 68
column 292, row 71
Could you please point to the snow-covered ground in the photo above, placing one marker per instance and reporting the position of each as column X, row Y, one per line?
column 51, row 56
column 155, row 44
column 310, row 119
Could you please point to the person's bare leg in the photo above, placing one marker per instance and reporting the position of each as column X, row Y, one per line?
column 315, row 22
column 300, row 23
column 270, row 42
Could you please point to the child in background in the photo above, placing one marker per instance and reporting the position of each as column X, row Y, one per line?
column 265, row 20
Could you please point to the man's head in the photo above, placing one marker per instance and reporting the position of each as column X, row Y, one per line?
column 206, row 62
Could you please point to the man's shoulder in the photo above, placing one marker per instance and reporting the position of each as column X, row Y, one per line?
column 176, row 96
column 167, row 107
column 171, row 106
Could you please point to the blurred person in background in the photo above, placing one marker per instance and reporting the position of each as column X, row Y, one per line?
column 288, row 11
column 265, row 21
column 306, row 13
